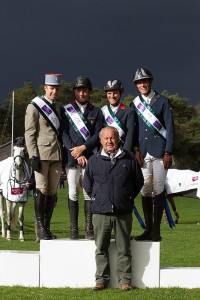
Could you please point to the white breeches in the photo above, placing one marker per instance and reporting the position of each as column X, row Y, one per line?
column 154, row 176
column 74, row 175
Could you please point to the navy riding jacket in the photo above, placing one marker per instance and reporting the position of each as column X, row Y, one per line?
column 127, row 118
column 150, row 141
column 71, row 138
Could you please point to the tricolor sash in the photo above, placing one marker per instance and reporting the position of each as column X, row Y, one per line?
column 48, row 112
column 112, row 120
column 148, row 115
column 78, row 121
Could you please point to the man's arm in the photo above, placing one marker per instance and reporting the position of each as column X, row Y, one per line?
column 169, row 125
column 66, row 139
column 88, row 179
column 93, row 141
column 130, row 130
column 138, row 179
column 31, row 126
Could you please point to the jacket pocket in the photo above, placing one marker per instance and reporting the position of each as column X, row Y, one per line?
column 43, row 143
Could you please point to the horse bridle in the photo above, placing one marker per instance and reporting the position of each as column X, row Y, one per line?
column 21, row 157
column 18, row 167
column 24, row 171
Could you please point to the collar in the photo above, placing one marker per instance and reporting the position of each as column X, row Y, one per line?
column 50, row 101
column 81, row 106
column 116, row 153
column 149, row 97
column 115, row 108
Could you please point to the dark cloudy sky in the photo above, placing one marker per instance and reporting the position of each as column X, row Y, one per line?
column 103, row 40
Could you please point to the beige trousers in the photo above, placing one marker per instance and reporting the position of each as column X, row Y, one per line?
column 47, row 179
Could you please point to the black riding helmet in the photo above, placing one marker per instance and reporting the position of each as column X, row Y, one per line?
column 82, row 82
column 112, row 85
column 142, row 73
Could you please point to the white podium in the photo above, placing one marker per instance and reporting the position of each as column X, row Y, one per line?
column 67, row 263
column 71, row 263
column 182, row 277
column 19, row 268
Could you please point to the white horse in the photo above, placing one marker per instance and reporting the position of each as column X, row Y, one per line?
column 14, row 174
column 183, row 182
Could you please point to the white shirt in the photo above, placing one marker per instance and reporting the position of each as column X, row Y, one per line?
column 49, row 100
column 116, row 153
column 114, row 108
column 82, row 107
column 149, row 97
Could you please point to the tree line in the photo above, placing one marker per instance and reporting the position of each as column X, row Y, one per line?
column 186, row 118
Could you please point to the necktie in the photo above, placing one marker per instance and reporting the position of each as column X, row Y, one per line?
column 112, row 158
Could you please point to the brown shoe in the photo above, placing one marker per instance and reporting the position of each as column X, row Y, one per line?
column 126, row 287
column 99, row 287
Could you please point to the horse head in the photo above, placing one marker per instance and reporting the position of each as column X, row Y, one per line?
column 19, row 156
column 19, row 151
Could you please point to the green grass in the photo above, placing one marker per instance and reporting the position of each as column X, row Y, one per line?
column 19, row 293
column 179, row 248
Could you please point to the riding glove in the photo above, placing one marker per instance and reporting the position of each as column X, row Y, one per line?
column 36, row 164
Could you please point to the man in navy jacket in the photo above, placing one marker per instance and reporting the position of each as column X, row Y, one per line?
column 153, row 150
column 80, row 138
column 112, row 179
column 116, row 114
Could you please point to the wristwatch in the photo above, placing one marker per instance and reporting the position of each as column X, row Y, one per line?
column 168, row 153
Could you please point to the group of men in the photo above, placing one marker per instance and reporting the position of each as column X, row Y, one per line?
column 118, row 151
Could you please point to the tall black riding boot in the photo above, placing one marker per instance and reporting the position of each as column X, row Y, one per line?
column 73, row 212
column 159, row 204
column 48, row 212
column 147, row 206
column 39, row 213
column 89, row 231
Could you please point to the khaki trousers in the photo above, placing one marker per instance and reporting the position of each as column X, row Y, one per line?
column 47, row 179
column 121, row 225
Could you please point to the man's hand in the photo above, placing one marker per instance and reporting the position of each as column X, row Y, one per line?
column 82, row 161
column 77, row 151
column 139, row 158
column 167, row 161
column 36, row 164
column 29, row 186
